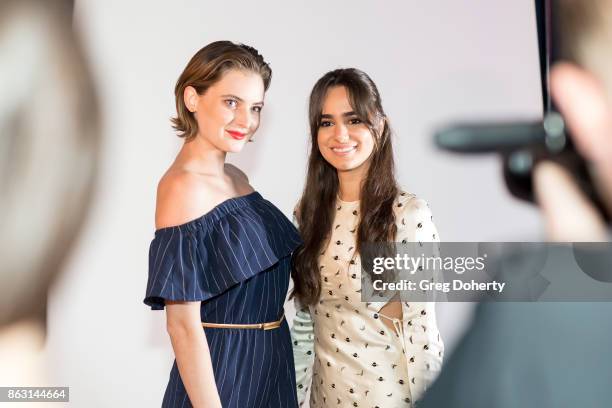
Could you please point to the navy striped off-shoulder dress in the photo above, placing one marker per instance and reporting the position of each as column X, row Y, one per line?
column 236, row 260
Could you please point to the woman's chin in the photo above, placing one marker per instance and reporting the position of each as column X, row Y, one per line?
column 344, row 165
column 235, row 147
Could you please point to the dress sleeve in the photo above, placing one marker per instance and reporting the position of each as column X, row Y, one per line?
column 423, row 344
column 203, row 258
column 174, row 274
column 302, row 337
column 417, row 226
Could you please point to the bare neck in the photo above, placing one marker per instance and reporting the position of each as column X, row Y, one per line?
column 199, row 156
column 350, row 182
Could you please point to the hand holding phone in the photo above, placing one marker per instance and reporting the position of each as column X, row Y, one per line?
column 568, row 213
column 524, row 145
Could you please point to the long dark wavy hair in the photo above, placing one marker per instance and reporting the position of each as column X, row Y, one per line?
column 315, row 211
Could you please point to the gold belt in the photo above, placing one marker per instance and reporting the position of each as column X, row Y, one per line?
column 261, row 326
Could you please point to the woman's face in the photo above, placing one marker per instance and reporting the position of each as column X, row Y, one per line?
column 228, row 112
column 344, row 140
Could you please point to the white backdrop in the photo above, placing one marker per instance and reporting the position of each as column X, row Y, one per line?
column 432, row 61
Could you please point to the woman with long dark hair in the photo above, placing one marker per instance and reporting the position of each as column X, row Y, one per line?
column 220, row 259
column 350, row 353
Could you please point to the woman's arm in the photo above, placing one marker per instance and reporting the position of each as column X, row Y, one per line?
column 302, row 339
column 192, row 355
column 302, row 335
column 182, row 197
column 424, row 346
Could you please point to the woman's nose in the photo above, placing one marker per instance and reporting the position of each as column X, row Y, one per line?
column 341, row 133
column 243, row 118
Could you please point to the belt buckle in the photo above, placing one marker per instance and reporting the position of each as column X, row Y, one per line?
column 268, row 326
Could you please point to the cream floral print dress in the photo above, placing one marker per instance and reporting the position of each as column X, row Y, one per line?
column 344, row 353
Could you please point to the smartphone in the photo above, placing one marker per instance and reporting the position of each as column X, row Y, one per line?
column 523, row 144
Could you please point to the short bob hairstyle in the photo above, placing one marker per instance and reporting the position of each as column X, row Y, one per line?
column 207, row 67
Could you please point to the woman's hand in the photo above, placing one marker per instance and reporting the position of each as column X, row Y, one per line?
column 569, row 215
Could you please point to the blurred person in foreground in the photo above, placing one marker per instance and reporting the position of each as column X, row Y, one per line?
column 552, row 354
column 48, row 154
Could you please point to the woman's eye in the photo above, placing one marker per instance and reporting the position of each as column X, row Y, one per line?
column 232, row 103
column 325, row 123
column 354, row 121
column 257, row 109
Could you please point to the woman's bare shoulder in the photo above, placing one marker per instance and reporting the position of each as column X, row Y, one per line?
column 182, row 196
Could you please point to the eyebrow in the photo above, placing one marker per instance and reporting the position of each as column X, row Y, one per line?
column 345, row 114
column 239, row 99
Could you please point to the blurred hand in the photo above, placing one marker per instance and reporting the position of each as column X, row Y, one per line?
column 569, row 215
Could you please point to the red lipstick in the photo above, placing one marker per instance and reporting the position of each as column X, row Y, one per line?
column 236, row 135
